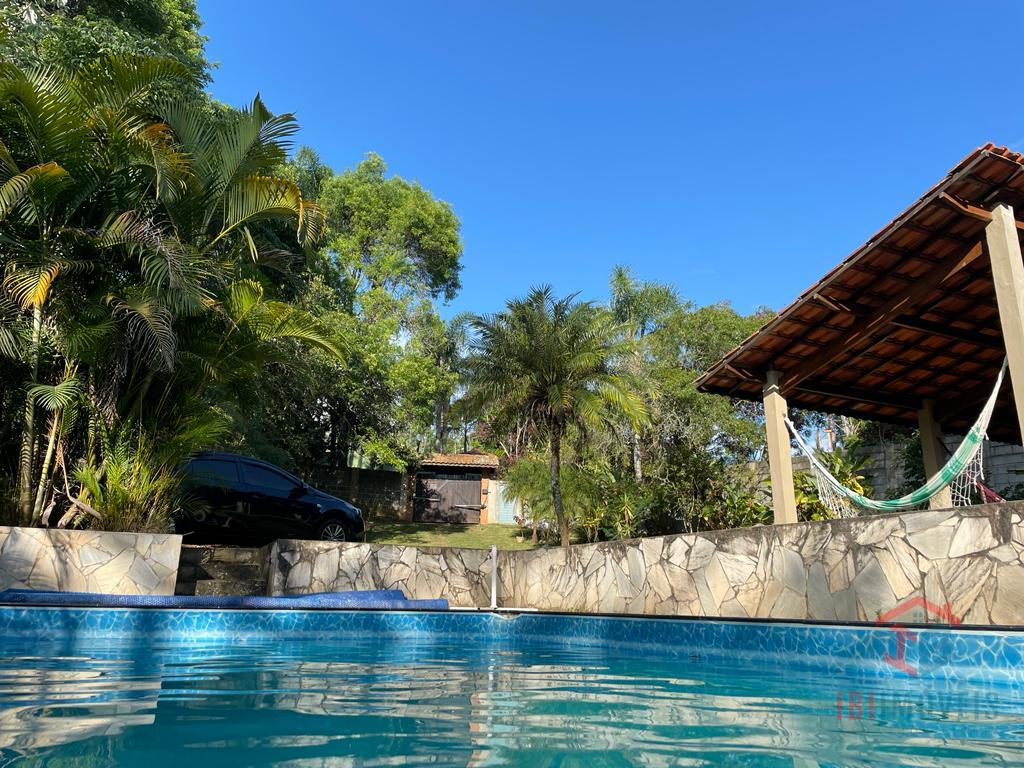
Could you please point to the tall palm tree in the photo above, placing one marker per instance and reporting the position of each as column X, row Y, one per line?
column 640, row 307
column 548, row 363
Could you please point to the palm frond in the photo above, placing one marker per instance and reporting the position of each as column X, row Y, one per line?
column 47, row 178
column 55, row 397
column 254, row 141
column 282, row 321
column 117, row 82
column 14, row 333
column 243, row 296
column 259, row 197
column 149, row 325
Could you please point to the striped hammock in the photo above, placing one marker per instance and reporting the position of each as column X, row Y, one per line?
column 963, row 471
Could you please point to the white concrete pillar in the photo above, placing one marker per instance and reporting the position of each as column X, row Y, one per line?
column 933, row 453
column 1008, row 277
column 780, row 457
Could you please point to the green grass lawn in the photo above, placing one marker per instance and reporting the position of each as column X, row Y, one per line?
column 386, row 531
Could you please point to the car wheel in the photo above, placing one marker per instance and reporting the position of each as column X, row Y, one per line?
column 333, row 530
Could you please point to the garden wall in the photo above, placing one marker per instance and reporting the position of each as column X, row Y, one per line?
column 462, row 576
column 858, row 569
column 88, row 561
column 848, row 570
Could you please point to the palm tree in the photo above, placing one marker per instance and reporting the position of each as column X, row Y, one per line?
column 134, row 232
column 641, row 308
column 448, row 347
column 73, row 148
column 548, row 364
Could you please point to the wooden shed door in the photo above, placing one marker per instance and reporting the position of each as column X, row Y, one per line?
column 442, row 499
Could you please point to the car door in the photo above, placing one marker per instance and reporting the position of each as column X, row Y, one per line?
column 274, row 507
column 213, row 484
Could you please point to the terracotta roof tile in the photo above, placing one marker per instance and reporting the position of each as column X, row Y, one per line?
column 909, row 316
column 480, row 459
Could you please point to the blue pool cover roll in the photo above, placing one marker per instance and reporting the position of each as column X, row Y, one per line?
column 376, row 599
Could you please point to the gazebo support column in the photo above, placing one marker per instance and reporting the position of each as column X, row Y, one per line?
column 780, row 458
column 1008, row 276
column 932, row 452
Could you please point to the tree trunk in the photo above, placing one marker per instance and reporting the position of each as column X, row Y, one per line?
column 44, row 472
column 441, row 425
column 556, row 486
column 28, row 435
column 638, row 471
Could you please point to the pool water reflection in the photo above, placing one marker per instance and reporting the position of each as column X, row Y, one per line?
column 468, row 701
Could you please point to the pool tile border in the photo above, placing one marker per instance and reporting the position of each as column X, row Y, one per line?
column 956, row 654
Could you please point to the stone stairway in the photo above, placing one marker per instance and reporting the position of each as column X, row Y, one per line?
column 211, row 570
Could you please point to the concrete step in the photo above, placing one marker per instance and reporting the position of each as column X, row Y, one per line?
column 225, row 587
column 184, row 587
column 219, row 570
column 193, row 554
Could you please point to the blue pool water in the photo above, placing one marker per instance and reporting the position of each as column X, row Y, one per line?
column 82, row 687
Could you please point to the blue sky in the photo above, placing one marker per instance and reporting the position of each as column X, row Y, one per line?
column 735, row 150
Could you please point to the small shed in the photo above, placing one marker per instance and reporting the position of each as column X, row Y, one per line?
column 454, row 488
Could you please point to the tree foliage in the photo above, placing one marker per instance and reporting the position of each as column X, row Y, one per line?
column 136, row 238
column 390, row 252
column 70, row 34
column 547, row 366
column 685, row 466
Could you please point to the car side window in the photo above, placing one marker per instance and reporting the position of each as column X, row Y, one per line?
column 262, row 477
column 213, row 472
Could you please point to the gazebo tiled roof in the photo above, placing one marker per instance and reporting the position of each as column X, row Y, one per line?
column 910, row 316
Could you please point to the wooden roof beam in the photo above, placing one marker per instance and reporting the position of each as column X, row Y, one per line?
column 865, row 327
column 973, row 211
column 950, row 332
column 872, row 396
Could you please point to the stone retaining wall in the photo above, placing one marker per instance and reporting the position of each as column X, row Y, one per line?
column 848, row 570
column 88, row 561
column 463, row 576
column 910, row 566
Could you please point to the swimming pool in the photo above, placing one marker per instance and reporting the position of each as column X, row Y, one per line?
column 91, row 687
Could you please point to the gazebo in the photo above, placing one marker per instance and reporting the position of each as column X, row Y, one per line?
column 911, row 328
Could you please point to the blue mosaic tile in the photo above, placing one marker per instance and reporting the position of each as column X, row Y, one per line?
column 966, row 655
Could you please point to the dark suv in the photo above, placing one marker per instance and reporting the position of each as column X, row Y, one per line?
column 244, row 498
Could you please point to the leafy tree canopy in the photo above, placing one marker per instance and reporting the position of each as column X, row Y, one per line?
column 390, row 238
column 72, row 33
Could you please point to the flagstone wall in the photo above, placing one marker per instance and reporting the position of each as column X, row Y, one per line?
column 936, row 566
column 88, row 561
column 462, row 576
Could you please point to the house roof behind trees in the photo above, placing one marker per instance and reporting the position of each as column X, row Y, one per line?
column 474, row 459
column 909, row 316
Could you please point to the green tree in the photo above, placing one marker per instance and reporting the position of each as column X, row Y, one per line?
column 69, row 147
column 390, row 254
column 133, row 253
column 548, row 363
column 71, row 34
column 393, row 243
column 641, row 308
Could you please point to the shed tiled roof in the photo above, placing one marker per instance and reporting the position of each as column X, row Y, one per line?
column 474, row 459
column 910, row 315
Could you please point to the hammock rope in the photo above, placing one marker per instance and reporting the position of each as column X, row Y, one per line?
column 961, row 473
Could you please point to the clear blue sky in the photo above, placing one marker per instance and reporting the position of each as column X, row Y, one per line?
column 735, row 150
